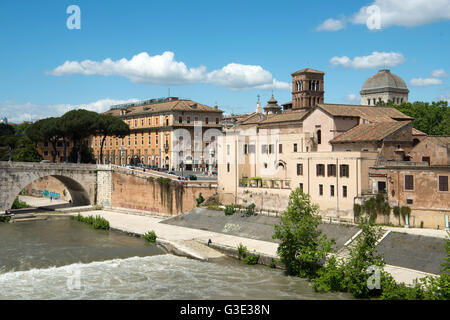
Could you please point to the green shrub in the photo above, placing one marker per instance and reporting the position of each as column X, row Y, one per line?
column 357, row 209
column 405, row 210
column 251, row 259
column 331, row 277
column 150, row 236
column 250, row 209
column 303, row 248
column 200, row 200
column 272, row 264
column 421, row 224
column 4, row 218
column 242, row 251
column 17, row 204
column 229, row 210
column 96, row 222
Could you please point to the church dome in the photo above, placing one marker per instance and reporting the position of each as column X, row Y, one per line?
column 383, row 80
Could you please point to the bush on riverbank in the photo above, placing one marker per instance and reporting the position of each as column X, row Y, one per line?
column 17, row 204
column 96, row 222
column 303, row 248
column 229, row 210
column 355, row 274
column 4, row 219
column 150, row 236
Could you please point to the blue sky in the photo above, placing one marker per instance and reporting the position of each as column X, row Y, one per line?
column 212, row 51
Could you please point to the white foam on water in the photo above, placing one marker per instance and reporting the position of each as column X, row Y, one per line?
column 155, row 277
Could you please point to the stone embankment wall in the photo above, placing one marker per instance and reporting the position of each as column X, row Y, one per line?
column 141, row 191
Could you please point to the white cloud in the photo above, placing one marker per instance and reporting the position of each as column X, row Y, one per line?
column 403, row 13
column 165, row 70
column 440, row 73
column 409, row 13
column 331, row 25
column 445, row 97
column 352, row 97
column 374, row 60
column 18, row 112
column 420, row 82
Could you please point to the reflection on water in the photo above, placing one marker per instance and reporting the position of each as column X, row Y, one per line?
column 47, row 256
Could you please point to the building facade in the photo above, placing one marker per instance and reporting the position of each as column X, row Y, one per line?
column 165, row 133
column 339, row 154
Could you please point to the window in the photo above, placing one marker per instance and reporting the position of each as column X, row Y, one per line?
column 443, row 183
column 280, row 148
column 331, row 170
column 157, row 121
column 295, row 147
column 117, row 142
column 135, row 139
column 45, row 153
column 196, row 119
column 180, row 119
column 206, row 120
column 46, row 144
column 409, row 182
column 301, row 187
column 344, row 191
column 217, row 120
column 409, row 201
column 368, row 102
column 245, row 148
column 320, row 170
column 344, row 170
column 156, row 139
column 332, row 190
column 299, row 169
column 426, row 159
column 320, row 189
column 129, row 140
column 188, row 120
column 142, row 122
column 264, row 148
column 228, row 149
column 135, row 123
column 149, row 139
column 228, row 167
column 319, row 136
column 251, row 148
column 142, row 139
column 265, row 165
column 271, row 148
column 167, row 122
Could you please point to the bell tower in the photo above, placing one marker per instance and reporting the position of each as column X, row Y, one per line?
column 307, row 88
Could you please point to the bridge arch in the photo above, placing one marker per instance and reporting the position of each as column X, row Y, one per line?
column 87, row 184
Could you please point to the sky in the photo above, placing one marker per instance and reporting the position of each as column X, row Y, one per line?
column 55, row 57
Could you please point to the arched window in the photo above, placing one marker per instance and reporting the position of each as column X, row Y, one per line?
column 319, row 136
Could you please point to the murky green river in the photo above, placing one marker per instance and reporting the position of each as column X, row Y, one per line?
column 64, row 259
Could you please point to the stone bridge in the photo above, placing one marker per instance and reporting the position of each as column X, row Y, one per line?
column 86, row 183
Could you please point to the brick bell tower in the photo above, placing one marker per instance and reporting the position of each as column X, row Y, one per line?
column 307, row 88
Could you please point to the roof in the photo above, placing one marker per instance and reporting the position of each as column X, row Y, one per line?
column 372, row 114
column 177, row 105
column 370, row 132
column 416, row 132
column 307, row 70
column 443, row 141
column 286, row 116
column 384, row 79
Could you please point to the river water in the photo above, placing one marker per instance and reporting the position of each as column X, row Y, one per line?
column 64, row 259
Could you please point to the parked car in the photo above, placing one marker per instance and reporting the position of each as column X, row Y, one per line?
column 172, row 172
column 192, row 177
column 46, row 161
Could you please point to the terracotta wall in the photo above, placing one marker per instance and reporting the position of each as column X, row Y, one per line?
column 146, row 193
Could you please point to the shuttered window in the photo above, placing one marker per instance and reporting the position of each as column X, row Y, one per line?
column 443, row 183
column 409, row 182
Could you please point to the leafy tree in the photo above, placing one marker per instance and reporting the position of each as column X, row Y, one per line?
column 79, row 125
column 46, row 130
column 110, row 125
column 433, row 119
column 26, row 151
column 8, row 141
column 84, row 152
column 303, row 248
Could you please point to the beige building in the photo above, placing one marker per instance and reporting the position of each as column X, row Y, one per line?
column 327, row 150
column 168, row 133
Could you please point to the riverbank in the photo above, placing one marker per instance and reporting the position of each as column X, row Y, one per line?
column 194, row 242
